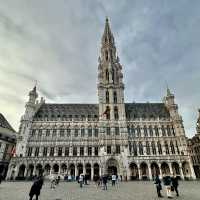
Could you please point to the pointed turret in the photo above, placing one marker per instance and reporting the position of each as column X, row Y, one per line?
column 198, row 123
column 33, row 95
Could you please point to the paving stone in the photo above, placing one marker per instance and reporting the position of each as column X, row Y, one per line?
column 71, row 191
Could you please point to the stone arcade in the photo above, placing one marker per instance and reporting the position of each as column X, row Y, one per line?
column 135, row 140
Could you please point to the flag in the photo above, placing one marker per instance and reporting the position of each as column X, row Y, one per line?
column 13, row 152
column 106, row 111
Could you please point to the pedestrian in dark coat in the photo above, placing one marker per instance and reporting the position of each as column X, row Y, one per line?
column 158, row 185
column 174, row 179
column 105, row 180
column 36, row 187
column 167, row 183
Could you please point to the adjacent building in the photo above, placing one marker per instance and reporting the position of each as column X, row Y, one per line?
column 134, row 140
column 194, row 148
column 7, row 144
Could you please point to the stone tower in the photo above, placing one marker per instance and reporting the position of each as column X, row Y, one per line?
column 110, row 79
column 31, row 108
column 112, row 118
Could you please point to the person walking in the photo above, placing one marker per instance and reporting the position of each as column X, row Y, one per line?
column 81, row 180
column 167, row 183
column 105, row 180
column 113, row 179
column 158, row 185
column 174, row 179
column 36, row 187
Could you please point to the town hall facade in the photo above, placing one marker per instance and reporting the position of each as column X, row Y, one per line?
column 134, row 140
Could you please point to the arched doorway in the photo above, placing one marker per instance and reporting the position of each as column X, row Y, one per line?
column 63, row 168
column 165, row 169
column 80, row 168
column 21, row 171
column 112, row 167
column 56, row 168
column 72, row 170
column 39, row 170
column 186, row 170
column 176, row 168
column 30, row 170
column 155, row 169
column 134, row 175
column 96, row 169
column 144, row 171
column 47, row 169
column 88, row 170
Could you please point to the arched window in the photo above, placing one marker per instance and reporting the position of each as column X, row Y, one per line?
column 173, row 131
column 107, row 75
column 148, row 148
column 145, row 132
column 89, row 131
column 177, row 148
column 159, row 147
column 113, row 72
column 108, row 130
column 156, row 131
column 129, row 130
column 168, row 130
column 107, row 112
column 82, row 131
column 138, row 131
column 115, row 97
column 135, row 148
column 133, row 131
column 116, row 113
column 172, row 147
column 96, row 131
column 153, row 146
column 166, row 147
column 76, row 131
column 107, row 96
column 163, row 131
column 151, row 131
column 106, row 54
column 141, row 148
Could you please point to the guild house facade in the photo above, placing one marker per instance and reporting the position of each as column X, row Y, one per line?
column 134, row 140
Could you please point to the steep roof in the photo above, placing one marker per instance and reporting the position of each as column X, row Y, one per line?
column 146, row 110
column 133, row 110
column 56, row 110
column 4, row 123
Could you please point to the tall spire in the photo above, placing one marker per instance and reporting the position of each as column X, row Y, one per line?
column 107, row 37
column 108, row 50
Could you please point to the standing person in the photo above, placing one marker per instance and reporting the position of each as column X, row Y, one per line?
column 105, row 180
column 167, row 183
column 158, row 185
column 174, row 179
column 36, row 187
column 81, row 180
column 113, row 179
column 1, row 178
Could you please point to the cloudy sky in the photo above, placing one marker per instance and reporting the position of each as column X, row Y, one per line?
column 57, row 43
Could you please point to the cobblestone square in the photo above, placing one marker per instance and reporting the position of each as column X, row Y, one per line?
column 71, row 191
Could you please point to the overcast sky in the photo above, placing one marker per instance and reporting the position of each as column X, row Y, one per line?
column 57, row 43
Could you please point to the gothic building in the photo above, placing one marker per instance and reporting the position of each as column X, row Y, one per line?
column 135, row 140
column 194, row 148
column 7, row 144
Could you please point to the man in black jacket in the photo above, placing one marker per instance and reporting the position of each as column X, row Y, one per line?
column 174, row 179
column 158, row 185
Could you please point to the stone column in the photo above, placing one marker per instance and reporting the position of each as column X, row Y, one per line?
column 16, row 171
column 170, row 168
column 181, row 172
column 76, row 171
column 139, row 172
column 193, row 176
column 92, row 172
column 84, row 169
column 161, row 175
column 150, row 174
